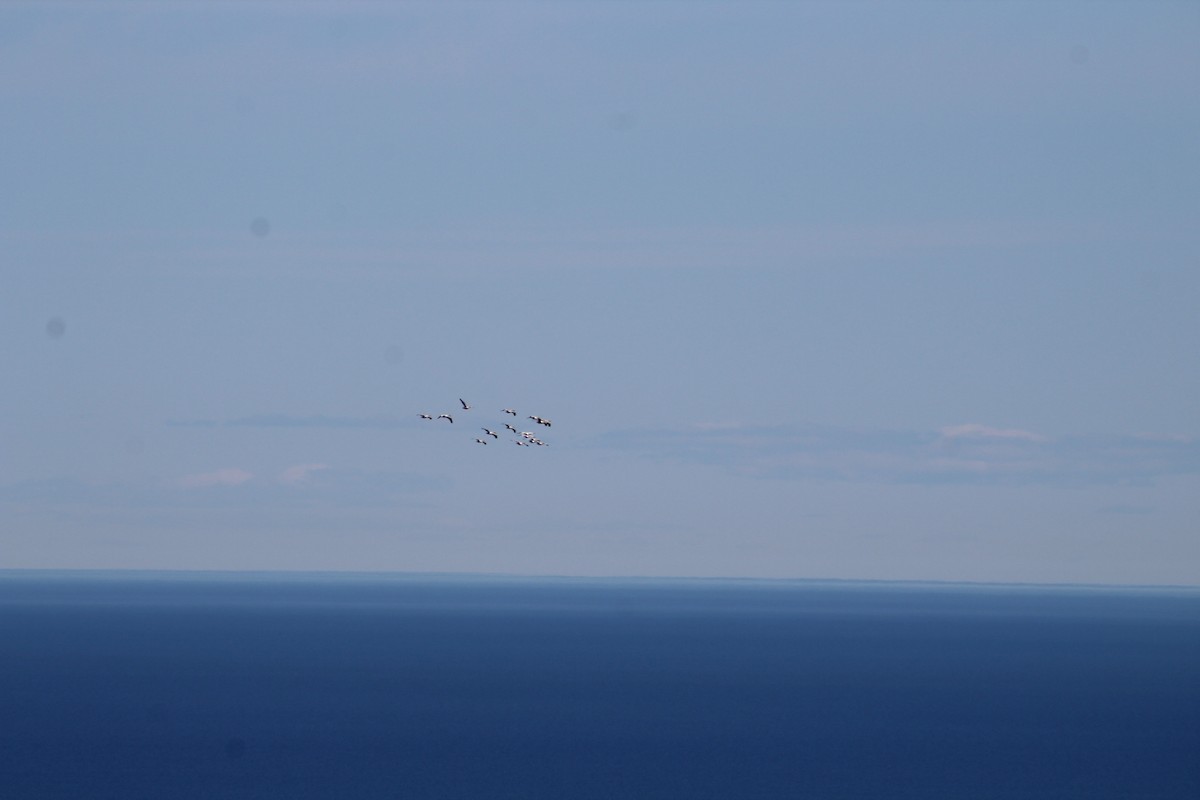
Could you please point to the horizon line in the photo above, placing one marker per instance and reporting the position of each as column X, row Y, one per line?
column 284, row 573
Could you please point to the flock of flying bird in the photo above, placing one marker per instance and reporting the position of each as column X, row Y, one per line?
column 527, row 438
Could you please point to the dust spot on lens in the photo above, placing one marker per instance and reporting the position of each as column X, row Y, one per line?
column 623, row 121
column 260, row 226
column 55, row 328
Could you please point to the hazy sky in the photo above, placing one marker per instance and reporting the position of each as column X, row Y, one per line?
column 813, row 290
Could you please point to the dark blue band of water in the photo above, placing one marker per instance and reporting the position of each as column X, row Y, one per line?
column 254, row 686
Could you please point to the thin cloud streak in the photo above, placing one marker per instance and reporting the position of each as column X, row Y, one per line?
column 227, row 476
column 292, row 421
column 563, row 247
column 977, row 431
column 314, row 421
column 967, row 453
column 300, row 473
column 323, row 485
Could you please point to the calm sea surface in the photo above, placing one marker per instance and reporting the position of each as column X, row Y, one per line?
column 193, row 685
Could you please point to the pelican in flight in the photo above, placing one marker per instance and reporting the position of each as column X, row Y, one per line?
column 491, row 433
column 446, row 416
column 464, row 404
column 425, row 416
column 511, row 428
column 509, row 411
column 482, row 441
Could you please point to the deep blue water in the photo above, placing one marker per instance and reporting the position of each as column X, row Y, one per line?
column 164, row 686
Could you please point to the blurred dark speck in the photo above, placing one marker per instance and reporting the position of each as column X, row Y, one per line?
column 393, row 354
column 1080, row 54
column 55, row 328
column 623, row 121
column 260, row 226
column 235, row 748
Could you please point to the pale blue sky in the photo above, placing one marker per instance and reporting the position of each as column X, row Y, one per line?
column 812, row 290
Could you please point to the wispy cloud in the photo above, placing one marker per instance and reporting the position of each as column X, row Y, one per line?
column 313, row 421
column 970, row 452
column 325, row 486
column 973, row 430
column 293, row 421
column 227, row 476
column 299, row 473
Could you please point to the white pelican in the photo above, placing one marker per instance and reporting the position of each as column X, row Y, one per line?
column 446, row 416
column 509, row 411
column 482, row 441
column 491, row 433
column 511, row 428
column 424, row 416
column 464, row 404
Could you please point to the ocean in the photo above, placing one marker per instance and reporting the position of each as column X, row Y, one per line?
column 161, row 686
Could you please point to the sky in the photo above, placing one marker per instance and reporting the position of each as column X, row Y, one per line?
column 870, row 291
